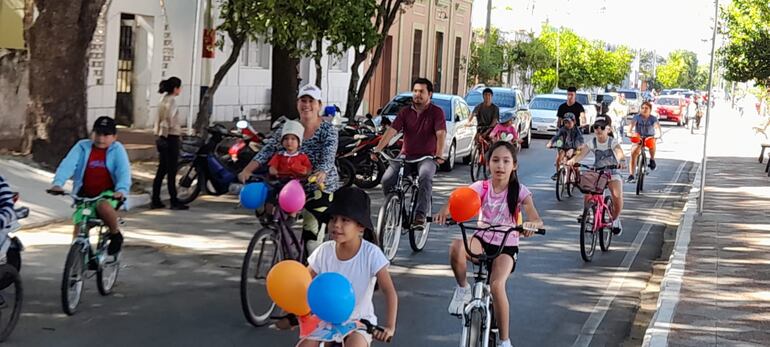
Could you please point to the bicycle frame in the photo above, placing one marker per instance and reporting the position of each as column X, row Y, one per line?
column 598, row 201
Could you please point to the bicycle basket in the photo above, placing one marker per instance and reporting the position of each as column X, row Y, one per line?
column 592, row 182
column 191, row 145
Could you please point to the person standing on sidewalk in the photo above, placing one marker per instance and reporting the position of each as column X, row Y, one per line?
column 168, row 128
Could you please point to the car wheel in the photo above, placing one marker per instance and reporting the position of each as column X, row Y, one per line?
column 449, row 164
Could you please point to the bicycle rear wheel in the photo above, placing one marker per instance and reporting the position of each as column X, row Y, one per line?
column 573, row 178
column 640, row 172
column 418, row 237
column 476, row 165
column 72, row 279
column 560, row 184
column 11, row 298
column 264, row 251
column 389, row 225
column 605, row 234
column 587, row 235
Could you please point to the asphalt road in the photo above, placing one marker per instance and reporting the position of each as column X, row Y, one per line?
column 179, row 282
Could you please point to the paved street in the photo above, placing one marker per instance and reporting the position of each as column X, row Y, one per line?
column 179, row 281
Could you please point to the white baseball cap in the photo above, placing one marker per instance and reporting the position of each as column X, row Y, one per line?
column 311, row 91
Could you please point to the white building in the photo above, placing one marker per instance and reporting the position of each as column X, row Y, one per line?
column 140, row 42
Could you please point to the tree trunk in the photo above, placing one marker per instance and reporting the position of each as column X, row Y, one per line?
column 356, row 90
column 319, row 53
column 204, row 116
column 283, row 95
column 58, row 43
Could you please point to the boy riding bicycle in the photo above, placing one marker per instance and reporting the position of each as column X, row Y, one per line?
column 643, row 125
column 98, row 166
column 568, row 139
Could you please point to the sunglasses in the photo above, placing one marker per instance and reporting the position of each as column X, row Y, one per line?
column 599, row 127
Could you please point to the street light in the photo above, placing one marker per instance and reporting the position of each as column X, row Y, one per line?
column 708, row 109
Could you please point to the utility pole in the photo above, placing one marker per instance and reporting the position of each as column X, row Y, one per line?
column 708, row 110
column 558, row 55
column 489, row 19
column 190, row 116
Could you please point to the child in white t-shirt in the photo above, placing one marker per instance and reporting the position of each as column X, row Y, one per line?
column 353, row 253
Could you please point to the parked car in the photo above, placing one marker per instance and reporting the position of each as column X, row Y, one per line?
column 633, row 99
column 543, row 109
column 459, row 138
column 509, row 100
column 587, row 100
column 672, row 108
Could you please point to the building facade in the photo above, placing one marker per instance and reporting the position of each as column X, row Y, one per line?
column 429, row 39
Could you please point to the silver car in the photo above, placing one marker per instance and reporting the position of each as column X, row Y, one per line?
column 543, row 109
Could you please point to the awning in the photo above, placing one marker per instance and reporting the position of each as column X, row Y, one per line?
column 12, row 24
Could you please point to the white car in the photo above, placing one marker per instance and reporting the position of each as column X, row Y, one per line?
column 543, row 109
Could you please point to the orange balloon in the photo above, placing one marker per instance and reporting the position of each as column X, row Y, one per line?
column 287, row 284
column 464, row 204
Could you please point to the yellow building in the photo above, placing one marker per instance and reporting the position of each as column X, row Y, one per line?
column 11, row 24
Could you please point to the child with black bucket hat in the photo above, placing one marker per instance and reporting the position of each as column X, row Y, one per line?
column 352, row 252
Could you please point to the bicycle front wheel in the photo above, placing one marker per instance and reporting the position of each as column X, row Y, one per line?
column 475, row 336
column 264, row 251
column 11, row 297
column 72, row 279
column 560, row 183
column 587, row 235
column 389, row 225
column 474, row 164
column 418, row 237
column 605, row 234
column 640, row 172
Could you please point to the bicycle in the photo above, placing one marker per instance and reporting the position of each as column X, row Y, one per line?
column 641, row 164
column 276, row 241
column 478, row 317
column 597, row 211
column 478, row 163
column 362, row 325
column 11, row 288
column 393, row 218
column 566, row 178
column 82, row 258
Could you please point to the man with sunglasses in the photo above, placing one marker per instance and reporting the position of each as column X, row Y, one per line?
column 646, row 125
column 567, row 139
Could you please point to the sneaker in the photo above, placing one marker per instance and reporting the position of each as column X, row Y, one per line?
column 630, row 179
column 461, row 296
column 419, row 220
column 652, row 164
column 617, row 227
column 506, row 343
column 116, row 243
column 179, row 207
column 555, row 176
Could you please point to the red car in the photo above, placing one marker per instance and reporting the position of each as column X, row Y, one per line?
column 672, row 108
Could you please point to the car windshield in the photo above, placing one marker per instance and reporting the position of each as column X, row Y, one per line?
column 546, row 104
column 630, row 95
column 668, row 102
column 604, row 98
column 581, row 98
column 499, row 98
column 395, row 106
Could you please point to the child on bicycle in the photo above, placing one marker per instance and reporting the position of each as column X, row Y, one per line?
column 504, row 130
column 502, row 199
column 607, row 152
column 353, row 252
column 98, row 165
column 7, row 213
column 568, row 139
column 290, row 163
column 646, row 125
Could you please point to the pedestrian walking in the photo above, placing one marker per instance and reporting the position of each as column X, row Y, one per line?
column 168, row 129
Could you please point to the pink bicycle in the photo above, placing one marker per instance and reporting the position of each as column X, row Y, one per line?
column 596, row 219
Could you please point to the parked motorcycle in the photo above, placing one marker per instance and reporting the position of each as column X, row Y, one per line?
column 11, row 289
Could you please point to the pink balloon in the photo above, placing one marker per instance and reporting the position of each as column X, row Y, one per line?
column 292, row 197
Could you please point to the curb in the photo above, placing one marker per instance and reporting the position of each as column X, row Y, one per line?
column 668, row 298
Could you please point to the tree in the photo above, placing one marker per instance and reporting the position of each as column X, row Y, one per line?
column 487, row 60
column 527, row 57
column 747, row 31
column 58, row 35
column 679, row 71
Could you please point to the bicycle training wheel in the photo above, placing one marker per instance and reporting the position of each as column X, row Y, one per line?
column 107, row 275
column 587, row 235
column 418, row 237
column 605, row 234
column 11, row 298
column 389, row 225
column 264, row 251
column 72, row 279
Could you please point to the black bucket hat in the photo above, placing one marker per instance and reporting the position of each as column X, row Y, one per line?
column 353, row 203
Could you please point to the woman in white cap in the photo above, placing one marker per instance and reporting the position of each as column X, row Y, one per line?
column 319, row 143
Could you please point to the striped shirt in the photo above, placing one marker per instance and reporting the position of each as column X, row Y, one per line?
column 7, row 213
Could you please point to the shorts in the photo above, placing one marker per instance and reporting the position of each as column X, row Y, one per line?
column 648, row 142
column 490, row 249
column 77, row 216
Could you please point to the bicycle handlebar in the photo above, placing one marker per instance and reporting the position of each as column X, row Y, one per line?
column 80, row 199
column 371, row 328
column 492, row 228
column 402, row 159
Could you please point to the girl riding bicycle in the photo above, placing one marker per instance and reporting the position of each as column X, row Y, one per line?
column 502, row 199
column 353, row 253
column 607, row 152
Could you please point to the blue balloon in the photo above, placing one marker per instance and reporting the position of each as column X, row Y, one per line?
column 253, row 195
column 331, row 297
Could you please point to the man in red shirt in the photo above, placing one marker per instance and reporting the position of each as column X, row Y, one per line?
column 424, row 128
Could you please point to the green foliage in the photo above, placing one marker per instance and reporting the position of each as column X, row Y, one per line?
column 679, row 71
column 747, row 32
column 526, row 55
column 487, row 59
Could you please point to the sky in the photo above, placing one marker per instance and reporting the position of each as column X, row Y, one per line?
column 661, row 25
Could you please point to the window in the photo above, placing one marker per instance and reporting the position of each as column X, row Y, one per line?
column 416, row 54
column 456, row 77
column 500, row 98
column 339, row 63
column 546, row 104
column 256, row 54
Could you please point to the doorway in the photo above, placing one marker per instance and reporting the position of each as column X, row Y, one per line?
column 385, row 70
column 124, row 100
column 439, row 67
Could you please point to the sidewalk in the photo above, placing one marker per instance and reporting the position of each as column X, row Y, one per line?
column 716, row 291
